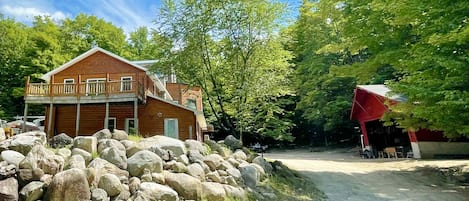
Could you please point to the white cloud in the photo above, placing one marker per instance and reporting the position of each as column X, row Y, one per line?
column 26, row 14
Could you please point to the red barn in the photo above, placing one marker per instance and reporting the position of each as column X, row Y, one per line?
column 369, row 106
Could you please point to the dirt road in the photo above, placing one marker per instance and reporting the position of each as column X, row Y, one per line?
column 342, row 175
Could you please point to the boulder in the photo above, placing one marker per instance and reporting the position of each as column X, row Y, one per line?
column 87, row 143
column 115, row 156
column 25, row 176
column 134, row 184
column 71, row 185
column 214, row 176
column 86, row 155
column 103, row 167
column 196, row 171
column 103, row 134
column 155, row 192
column 213, row 161
column 9, row 189
column 204, row 166
column 144, row 159
column 106, row 143
column 99, row 194
column 195, row 145
column 64, row 152
column 163, row 154
column 225, row 165
column 239, row 155
column 213, row 191
column 183, row 159
column 177, row 167
column 2, row 135
column 230, row 180
column 111, row 184
column 123, row 196
column 12, row 157
column 168, row 143
column 24, row 142
column 32, row 191
column 236, row 193
column 259, row 160
column 250, row 175
column 235, row 173
column 233, row 162
column 194, row 155
column 233, row 143
column 7, row 170
column 44, row 159
column 76, row 161
column 186, row 186
column 61, row 140
column 158, row 178
column 46, row 179
column 119, row 135
column 259, row 169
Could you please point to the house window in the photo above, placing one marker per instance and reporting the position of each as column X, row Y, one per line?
column 126, row 83
column 69, row 86
column 191, row 103
column 95, row 86
column 130, row 126
column 171, row 128
column 111, row 123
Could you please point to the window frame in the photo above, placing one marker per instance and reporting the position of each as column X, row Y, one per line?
column 69, row 87
column 126, row 83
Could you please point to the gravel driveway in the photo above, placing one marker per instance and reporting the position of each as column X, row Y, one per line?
column 342, row 175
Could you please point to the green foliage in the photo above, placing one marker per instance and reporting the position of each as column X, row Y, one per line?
column 230, row 49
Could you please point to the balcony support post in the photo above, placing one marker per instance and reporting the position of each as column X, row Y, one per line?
column 106, row 116
column 136, row 115
column 25, row 116
column 77, row 120
column 49, row 122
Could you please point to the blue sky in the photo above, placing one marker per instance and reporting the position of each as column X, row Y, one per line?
column 127, row 14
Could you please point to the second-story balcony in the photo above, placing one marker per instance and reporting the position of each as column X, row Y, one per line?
column 95, row 91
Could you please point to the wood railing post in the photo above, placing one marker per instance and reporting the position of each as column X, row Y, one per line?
column 26, row 90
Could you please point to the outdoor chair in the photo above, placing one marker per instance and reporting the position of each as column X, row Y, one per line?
column 390, row 152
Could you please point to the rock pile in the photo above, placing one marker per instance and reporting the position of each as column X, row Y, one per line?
column 107, row 166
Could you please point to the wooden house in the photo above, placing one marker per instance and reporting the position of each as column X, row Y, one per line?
column 369, row 105
column 99, row 89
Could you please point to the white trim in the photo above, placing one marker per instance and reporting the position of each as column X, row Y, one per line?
column 69, row 87
column 85, row 55
column 122, row 83
column 96, row 83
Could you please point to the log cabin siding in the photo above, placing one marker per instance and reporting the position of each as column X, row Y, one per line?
column 182, row 92
column 150, row 123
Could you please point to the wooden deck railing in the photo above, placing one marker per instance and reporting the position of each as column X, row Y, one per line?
column 85, row 89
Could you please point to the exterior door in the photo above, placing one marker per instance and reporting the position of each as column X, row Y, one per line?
column 95, row 86
column 130, row 126
column 111, row 123
column 171, row 128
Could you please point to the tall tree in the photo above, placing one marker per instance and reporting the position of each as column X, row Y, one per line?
column 230, row 49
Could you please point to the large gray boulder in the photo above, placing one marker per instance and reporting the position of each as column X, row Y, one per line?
column 196, row 171
column 213, row 161
column 106, row 143
column 154, row 192
column 64, row 152
column 61, row 140
column 194, row 155
column 111, row 184
column 187, row 186
column 12, row 157
column 9, row 189
column 235, row 173
column 233, row 143
column 196, row 146
column 115, row 156
column 32, row 191
column 144, row 159
column 240, row 155
column 103, row 134
column 71, row 185
column 85, row 154
column 119, row 135
column 250, row 175
column 24, row 142
column 87, row 143
column 44, row 159
column 134, row 184
column 98, row 194
column 76, row 161
column 168, row 143
column 213, row 191
column 163, row 154
column 259, row 160
column 103, row 167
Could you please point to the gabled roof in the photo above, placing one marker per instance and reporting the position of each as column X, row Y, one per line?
column 382, row 90
column 85, row 55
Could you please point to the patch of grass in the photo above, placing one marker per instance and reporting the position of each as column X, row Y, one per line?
column 95, row 154
column 135, row 138
column 288, row 184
